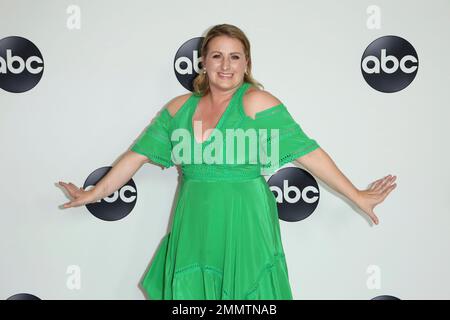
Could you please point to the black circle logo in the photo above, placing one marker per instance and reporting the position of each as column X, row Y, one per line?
column 389, row 64
column 385, row 297
column 21, row 64
column 296, row 192
column 23, row 296
column 115, row 206
column 187, row 62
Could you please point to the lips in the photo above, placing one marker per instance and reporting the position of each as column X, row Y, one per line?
column 225, row 75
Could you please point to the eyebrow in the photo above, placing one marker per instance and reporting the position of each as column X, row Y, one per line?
column 230, row 52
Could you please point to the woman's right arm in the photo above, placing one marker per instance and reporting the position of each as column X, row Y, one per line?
column 120, row 173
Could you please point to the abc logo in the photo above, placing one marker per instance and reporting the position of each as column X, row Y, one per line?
column 187, row 62
column 21, row 64
column 23, row 296
column 385, row 297
column 296, row 192
column 389, row 64
column 117, row 205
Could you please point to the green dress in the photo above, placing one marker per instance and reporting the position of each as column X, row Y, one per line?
column 224, row 241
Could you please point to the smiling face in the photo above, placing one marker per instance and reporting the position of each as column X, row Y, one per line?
column 225, row 62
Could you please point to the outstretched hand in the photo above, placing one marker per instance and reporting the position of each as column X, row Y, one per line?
column 375, row 194
column 79, row 195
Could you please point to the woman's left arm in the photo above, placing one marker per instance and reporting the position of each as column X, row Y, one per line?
column 320, row 164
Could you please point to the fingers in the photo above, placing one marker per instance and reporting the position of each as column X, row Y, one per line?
column 387, row 191
column 383, row 183
column 67, row 205
column 66, row 186
column 72, row 204
column 74, row 193
column 72, row 185
column 381, row 188
column 387, row 181
column 71, row 188
column 375, row 184
column 379, row 183
column 69, row 185
column 387, row 186
column 373, row 217
column 81, row 200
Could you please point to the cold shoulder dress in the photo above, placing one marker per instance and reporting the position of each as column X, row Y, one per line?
column 224, row 241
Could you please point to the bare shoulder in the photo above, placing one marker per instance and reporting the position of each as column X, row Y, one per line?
column 256, row 100
column 176, row 103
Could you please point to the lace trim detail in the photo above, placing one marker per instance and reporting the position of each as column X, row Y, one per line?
column 158, row 159
column 268, row 267
column 215, row 172
column 286, row 132
column 294, row 155
column 197, row 266
column 153, row 157
column 270, row 111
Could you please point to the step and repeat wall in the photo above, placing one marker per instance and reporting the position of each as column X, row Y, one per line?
column 81, row 80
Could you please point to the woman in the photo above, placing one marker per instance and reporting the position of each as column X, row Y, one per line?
column 224, row 241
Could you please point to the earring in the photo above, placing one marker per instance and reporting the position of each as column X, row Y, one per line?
column 204, row 71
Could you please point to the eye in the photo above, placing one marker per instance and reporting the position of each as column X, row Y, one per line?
column 236, row 57
column 216, row 55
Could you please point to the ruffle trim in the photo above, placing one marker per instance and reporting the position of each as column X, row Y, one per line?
column 289, row 157
column 153, row 156
column 271, row 283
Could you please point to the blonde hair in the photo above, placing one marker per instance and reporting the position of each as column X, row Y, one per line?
column 201, row 82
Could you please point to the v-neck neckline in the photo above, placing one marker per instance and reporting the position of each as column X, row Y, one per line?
column 221, row 119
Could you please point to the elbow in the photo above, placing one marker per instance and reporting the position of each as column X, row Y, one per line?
column 306, row 159
column 138, row 158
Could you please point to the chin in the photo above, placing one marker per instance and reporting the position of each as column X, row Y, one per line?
column 226, row 83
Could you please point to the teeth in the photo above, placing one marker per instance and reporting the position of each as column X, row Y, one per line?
column 225, row 74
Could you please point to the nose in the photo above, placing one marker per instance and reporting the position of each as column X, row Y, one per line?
column 225, row 64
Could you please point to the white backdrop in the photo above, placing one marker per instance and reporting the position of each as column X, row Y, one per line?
column 104, row 82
